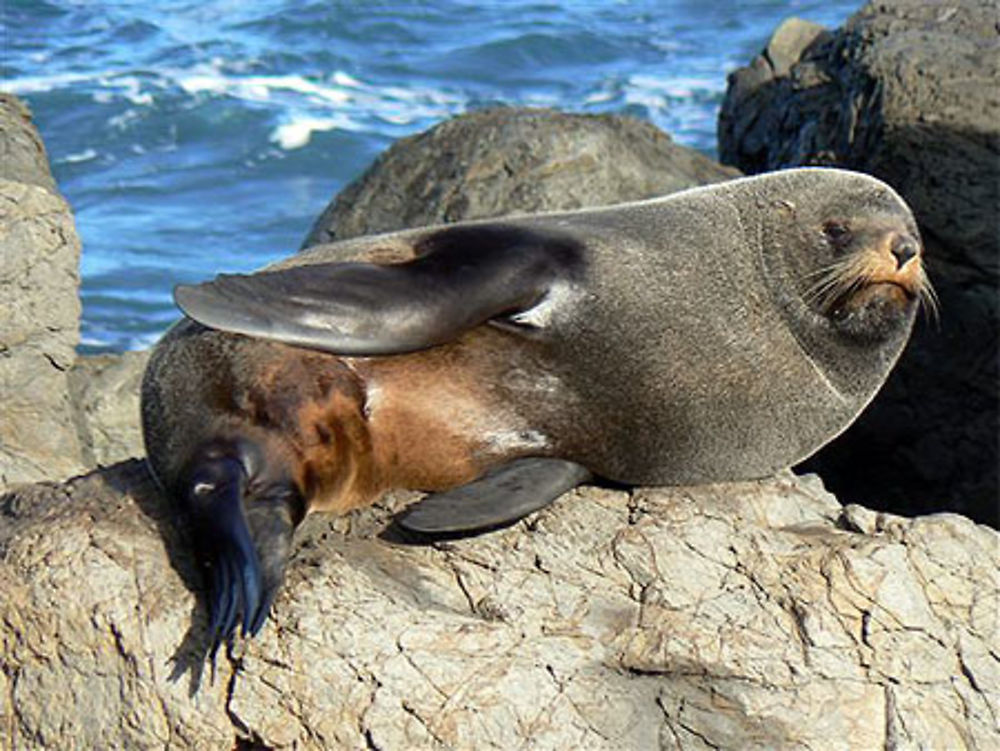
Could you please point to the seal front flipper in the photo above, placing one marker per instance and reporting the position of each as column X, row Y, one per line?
column 503, row 495
column 460, row 278
column 243, row 517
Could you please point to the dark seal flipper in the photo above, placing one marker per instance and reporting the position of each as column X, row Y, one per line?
column 500, row 497
column 243, row 535
column 460, row 278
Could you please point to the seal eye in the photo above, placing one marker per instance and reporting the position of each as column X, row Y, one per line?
column 837, row 233
column 202, row 489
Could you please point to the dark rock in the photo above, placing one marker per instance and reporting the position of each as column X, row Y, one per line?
column 511, row 160
column 909, row 92
column 39, row 318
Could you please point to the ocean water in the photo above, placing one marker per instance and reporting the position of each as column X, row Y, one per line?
column 198, row 137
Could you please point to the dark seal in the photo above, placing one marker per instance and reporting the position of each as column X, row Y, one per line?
column 717, row 334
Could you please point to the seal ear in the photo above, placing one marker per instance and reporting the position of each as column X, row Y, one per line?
column 460, row 278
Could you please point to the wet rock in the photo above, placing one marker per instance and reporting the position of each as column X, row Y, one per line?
column 39, row 318
column 909, row 92
column 751, row 615
column 512, row 160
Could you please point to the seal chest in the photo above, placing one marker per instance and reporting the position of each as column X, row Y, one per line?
column 717, row 334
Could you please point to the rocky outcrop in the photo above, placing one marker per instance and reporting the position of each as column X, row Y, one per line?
column 512, row 160
column 22, row 153
column 59, row 414
column 105, row 394
column 755, row 615
column 909, row 92
column 39, row 318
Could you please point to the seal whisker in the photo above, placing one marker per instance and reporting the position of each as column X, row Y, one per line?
column 838, row 279
column 823, row 271
column 928, row 299
column 827, row 287
column 828, row 277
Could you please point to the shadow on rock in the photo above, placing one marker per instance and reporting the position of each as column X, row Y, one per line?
column 133, row 479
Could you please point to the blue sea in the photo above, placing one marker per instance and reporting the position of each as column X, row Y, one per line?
column 199, row 137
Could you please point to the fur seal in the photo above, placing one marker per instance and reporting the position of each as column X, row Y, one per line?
column 721, row 333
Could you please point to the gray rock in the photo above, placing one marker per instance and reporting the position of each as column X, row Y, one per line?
column 788, row 43
column 909, row 92
column 22, row 152
column 39, row 319
column 105, row 393
column 752, row 615
column 512, row 160
column 59, row 415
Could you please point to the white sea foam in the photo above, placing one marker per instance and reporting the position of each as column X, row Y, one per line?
column 108, row 84
column 101, row 337
column 309, row 105
column 599, row 97
column 125, row 119
column 296, row 134
column 81, row 156
column 302, row 105
column 648, row 99
column 682, row 87
column 92, row 341
column 258, row 88
column 343, row 79
column 42, row 84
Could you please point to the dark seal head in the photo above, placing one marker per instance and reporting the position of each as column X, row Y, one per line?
column 717, row 334
column 844, row 264
column 846, row 261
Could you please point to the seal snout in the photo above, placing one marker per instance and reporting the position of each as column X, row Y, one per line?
column 898, row 262
column 877, row 276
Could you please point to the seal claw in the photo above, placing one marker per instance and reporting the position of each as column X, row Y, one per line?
column 250, row 591
column 236, row 588
column 262, row 611
column 230, row 601
column 219, row 590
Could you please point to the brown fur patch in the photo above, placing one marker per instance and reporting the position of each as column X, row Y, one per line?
column 432, row 413
column 336, row 466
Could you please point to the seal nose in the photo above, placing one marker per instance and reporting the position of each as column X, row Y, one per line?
column 904, row 248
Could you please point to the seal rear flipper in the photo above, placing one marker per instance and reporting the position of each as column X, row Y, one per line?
column 500, row 497
column 460, row 278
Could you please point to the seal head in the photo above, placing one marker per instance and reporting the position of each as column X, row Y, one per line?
column 845, row 268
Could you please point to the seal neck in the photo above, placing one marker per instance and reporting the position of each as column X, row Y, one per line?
column 336, row 466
